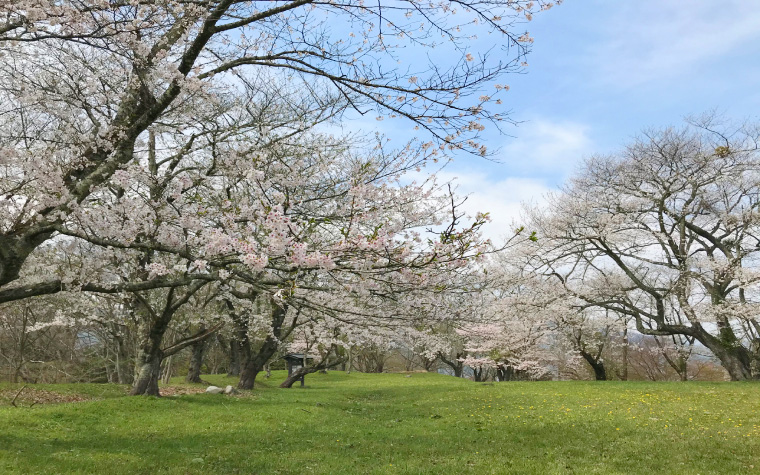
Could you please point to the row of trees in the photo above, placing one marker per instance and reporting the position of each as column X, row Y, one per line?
column 545, row 305
column 663, row 238
column 172, row 168
column 173, row 173
column 99, row 351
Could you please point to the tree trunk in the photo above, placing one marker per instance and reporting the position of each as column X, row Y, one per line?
column 509, row 373
column 248, row 377
column 296, row 376
column 304, row 370
column 600, row 373
column 735, row 361
column 18, row 373
column 168, row 370
column 234, row 368
column 196, row 362
column 684, row 372
column 624, row 372
column 679, row 365
column 252, row 364
column 147, row 372
column 150, row 334
column 428, row 363
column 152, row 327
column 735, row 358
column 456, row 365
column 504, row 373
column 122, row 359
column 241, row 346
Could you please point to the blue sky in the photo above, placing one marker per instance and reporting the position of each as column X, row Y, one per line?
column 601, row 71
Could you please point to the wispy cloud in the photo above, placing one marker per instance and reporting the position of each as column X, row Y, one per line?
column 671, row 38
column 547, row 149
column 542, row 156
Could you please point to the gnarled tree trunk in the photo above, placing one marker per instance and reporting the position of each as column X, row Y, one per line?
column 147, row 373
column 455, row 364
column 252, row 362
column 296, row 376
column 736, row 359
column 506, row 372
column 151, row 331
column 597, row 364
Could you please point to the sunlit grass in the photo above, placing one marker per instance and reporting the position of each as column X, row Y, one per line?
column 392, row 423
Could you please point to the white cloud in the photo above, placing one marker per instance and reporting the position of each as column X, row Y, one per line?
column 671, row 38
column 533, row 164
column 546, row 148
column 502, row 198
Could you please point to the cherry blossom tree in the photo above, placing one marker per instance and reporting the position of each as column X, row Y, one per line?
column 268, row 322
column 153, row 151
column 84, row 86
column 493, row 320
column 520, row 324
column 664, row 358
column 591, row 335
column 666, row 233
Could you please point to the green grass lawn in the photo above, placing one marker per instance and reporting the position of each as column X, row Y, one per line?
column 390, row 423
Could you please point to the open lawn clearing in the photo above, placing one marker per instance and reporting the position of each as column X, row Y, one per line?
column 391, row 423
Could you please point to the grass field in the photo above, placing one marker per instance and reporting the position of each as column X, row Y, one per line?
column 390, row 423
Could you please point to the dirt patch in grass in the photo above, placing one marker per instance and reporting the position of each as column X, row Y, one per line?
column 180, row 390
column 28, row 397
column 31, row 396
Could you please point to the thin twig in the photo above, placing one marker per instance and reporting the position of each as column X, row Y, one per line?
column 13, row 402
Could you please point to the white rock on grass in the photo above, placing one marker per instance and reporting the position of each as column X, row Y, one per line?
column 214, row 390
column 229, row 390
